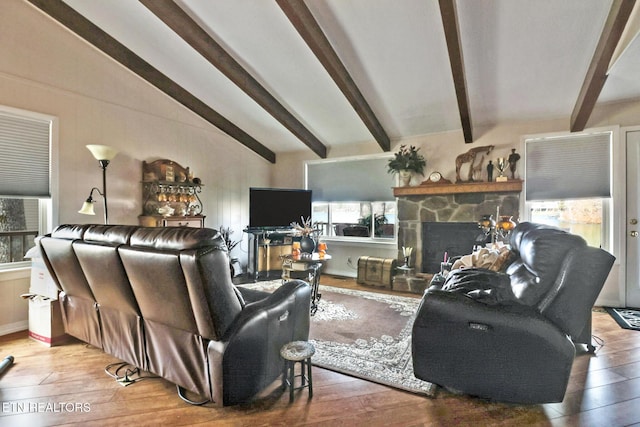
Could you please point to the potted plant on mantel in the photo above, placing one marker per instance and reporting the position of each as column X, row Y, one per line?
column 406, row 162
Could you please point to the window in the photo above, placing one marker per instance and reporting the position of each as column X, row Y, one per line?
column 583, row 217
column 19, row 225
column 25, row 196
column 353, row 197
column 568, row 183
column 356, row 219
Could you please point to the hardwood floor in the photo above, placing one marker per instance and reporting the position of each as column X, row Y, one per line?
column 67, row 385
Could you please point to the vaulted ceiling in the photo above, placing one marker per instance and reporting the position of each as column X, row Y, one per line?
column 285, row 75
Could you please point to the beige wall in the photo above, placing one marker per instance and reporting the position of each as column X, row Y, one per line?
column 46, row 69
column 49, row 70
column 13, row 308
column 441, row 149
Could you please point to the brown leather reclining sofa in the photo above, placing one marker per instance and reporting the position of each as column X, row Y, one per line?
column 162, row 299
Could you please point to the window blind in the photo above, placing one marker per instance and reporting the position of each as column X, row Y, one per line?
column 24, row 156
column 568, row 167
column 350, row 179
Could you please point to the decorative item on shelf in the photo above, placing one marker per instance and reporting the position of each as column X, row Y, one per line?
column 490, row 171
column 295, row 249
column 307, row 231
column 513, row 162
column 165, row 210
column 470, row 157
column 487, row 223
column 166, row 183
column 322, row 249
column 498, row 230
column 435, row 177
column 505, row 225
column 168, row 173
column 307, row 244
column 406, row 162
column 104, row 154
column 501, row 164
column 405, row 176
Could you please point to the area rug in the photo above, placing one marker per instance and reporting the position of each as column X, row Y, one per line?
column 364, row 334
column 627, row 318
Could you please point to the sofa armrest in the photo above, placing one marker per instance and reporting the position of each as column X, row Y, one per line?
column 506, row 352
column 251, row 295
column 251, row 359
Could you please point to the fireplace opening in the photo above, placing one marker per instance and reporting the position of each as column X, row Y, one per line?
column 453, row 238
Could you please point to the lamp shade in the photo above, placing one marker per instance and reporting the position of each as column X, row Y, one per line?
column 87, row 208
column 102, row 152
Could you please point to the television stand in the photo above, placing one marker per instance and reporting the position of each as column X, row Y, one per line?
column 266, row 249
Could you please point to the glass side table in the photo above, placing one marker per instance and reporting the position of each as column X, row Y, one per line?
column 311, row 266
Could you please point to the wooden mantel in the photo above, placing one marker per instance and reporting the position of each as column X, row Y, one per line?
column 510, row 186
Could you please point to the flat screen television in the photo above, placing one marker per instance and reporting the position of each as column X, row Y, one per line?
column 277, row 208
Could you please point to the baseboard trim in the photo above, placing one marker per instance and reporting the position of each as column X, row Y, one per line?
column 14, row 327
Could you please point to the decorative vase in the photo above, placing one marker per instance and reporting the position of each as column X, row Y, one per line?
column 487, row 222
column 307, row 244
column 506, row 223
column 405, row 177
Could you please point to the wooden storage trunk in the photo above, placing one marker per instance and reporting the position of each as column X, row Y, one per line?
column 376, row 271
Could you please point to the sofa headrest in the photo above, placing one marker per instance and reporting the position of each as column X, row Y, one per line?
column 70, row 231
column 111, row 234
column 518, row 232
column 543, row 250
column 177, row 238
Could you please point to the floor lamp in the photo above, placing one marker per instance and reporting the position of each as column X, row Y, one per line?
column 104, row 154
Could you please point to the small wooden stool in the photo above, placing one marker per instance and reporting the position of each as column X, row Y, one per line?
column 297, row 351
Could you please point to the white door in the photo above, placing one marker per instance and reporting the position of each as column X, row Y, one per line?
column 633, row 220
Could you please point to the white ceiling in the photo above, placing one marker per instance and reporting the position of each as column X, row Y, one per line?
column 523, row 60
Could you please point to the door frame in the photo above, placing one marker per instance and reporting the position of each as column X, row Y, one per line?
column 629, row 265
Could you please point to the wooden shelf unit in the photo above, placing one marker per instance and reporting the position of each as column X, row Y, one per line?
column 166, row 183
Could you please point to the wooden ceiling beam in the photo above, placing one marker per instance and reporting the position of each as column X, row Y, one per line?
column 306, row 25
column 597, row 72
column 88, row 31
column 192, row 33
column 449, row 15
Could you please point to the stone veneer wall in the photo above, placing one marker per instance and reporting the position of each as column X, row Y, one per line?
column 464, row 207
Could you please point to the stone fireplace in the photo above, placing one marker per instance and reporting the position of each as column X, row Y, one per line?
column 462, row 203
column 444, row 240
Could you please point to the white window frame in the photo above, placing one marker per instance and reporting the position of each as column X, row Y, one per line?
column 48, row 207
column 612, row 211
column 361, row 239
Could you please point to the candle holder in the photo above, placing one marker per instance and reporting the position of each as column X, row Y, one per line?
column 406, row 253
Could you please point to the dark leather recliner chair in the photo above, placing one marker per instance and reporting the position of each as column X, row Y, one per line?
column 511, row 336
column 162, row 299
